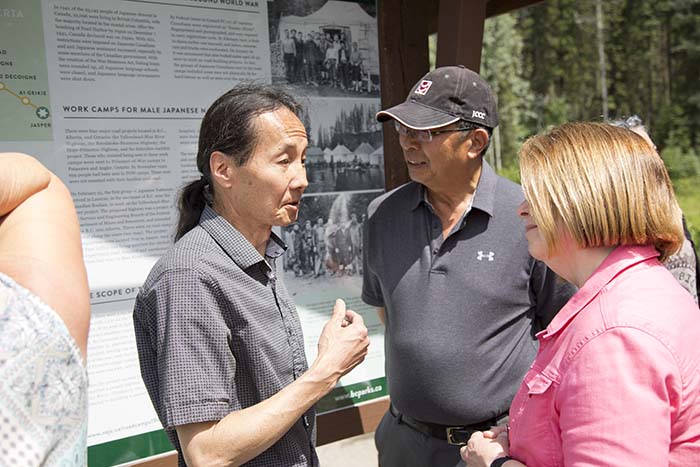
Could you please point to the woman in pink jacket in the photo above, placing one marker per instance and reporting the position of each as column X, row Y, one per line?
column 617, row 377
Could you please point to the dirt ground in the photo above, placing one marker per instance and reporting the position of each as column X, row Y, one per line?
column 358, row 451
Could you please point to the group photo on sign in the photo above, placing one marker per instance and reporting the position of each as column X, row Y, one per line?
column 325, row 47
column 349, row 233
column 326, row 240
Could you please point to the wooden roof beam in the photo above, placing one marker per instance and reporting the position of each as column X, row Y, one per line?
column 493, row 8
column 460, row 32
column 498, row 7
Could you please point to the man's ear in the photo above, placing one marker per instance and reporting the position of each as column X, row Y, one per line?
column 221, row 170
column 480, row 140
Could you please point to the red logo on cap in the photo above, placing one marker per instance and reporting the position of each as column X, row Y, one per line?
column 423, row 87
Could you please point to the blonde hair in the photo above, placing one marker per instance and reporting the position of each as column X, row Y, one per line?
column 605, row 185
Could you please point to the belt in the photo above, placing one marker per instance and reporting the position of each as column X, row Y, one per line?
column 455, row 435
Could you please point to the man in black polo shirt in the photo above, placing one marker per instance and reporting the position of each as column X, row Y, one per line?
column 446, row 262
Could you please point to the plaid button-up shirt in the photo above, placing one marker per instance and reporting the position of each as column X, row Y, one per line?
column 217, row 332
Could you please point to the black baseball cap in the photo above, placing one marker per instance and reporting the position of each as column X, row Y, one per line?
column 443, row 96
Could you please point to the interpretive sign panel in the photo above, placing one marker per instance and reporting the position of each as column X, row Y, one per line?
column 109, row 95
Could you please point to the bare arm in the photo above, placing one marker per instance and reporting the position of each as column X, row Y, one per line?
column 21, row 176
column 381, row 312
column 244, row 434
column 40, row 246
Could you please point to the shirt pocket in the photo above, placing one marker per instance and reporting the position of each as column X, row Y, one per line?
column 537, row 423
column 538, row 385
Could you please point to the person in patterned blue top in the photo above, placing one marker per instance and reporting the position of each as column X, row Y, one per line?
column 218, row 336
column 44, row 319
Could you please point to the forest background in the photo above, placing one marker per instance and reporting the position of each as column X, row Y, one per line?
column 545, row 64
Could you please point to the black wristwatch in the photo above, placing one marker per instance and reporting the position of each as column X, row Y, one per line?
column 499, row 461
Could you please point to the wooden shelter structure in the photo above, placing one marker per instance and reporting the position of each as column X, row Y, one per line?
column 403, row 30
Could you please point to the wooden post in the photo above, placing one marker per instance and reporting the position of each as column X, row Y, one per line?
column 350, row 422
column 403, row 60
column 461, row 32
column 498, row 7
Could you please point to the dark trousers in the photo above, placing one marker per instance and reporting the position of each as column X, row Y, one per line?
column 289, row 66
column 401, row 446
column 298, row 68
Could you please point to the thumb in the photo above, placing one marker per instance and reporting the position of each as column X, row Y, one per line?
column 338, row 311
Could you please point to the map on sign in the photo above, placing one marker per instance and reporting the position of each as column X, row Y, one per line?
column 24, row 88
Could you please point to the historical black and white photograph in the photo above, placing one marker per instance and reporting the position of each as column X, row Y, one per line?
column 324, row 47
column 345, row 151
column 325, row 244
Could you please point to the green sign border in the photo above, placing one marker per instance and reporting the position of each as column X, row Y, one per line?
column 129, row 449
column 145, row 445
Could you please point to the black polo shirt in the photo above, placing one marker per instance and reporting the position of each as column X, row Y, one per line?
column 459, row 311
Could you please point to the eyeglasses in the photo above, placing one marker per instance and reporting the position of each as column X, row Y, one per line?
column 633, row 122
column 426, row 136
column 629, row 123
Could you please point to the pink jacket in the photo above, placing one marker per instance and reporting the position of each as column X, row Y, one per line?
column 616, row 381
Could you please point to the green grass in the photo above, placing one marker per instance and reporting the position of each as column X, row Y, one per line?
column 688, row 194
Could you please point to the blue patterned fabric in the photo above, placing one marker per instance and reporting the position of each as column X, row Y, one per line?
column 43, row 384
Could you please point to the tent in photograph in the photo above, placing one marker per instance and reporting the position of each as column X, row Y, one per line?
column 328, row 155
column 363, row 151
column 314, row 155
column 342, row 154
column 377, row 157
column 335, row 18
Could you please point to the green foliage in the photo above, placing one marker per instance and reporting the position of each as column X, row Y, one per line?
column 694, row 230
column 652, row 51
column 559, row 57
column 511, row 172
column 687, row 193
column 543, row 62
column 681, row 163
column 667, row 129
column 502, row 67
column 432, row 50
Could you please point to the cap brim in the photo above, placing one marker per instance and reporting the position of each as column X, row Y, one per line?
column 416, row 116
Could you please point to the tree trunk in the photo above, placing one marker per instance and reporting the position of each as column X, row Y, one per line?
column 601, row 57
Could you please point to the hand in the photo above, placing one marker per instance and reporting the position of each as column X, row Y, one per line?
column 343, row 343
column 495, row 431
column 480, row 451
